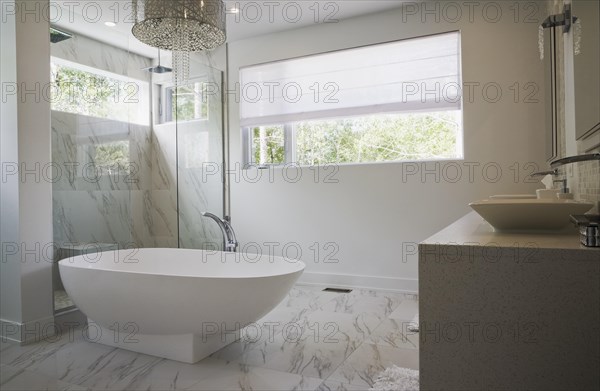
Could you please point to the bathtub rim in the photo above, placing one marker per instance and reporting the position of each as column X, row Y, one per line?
column 295, row 266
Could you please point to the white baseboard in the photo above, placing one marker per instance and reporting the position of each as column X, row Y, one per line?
column 24, row 333
column 404, row 285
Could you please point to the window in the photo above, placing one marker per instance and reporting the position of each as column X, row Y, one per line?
column 83, row 90
column 103, row 153
column 394, row 101
column 268, row 144
column 186, row 103
column 80, row 89
column 111, row 156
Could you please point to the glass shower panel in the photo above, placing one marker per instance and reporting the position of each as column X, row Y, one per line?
column 100, row 145
column 199, row 118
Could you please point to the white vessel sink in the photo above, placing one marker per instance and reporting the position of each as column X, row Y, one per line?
column 529, row 214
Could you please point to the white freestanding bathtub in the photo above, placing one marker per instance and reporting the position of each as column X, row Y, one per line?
column 175, row 303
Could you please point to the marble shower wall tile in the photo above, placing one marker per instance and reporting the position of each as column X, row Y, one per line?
column 138, row 206
column 164, row 153
column 93, row 202
column 92, row 216
column 87, row 191
column 140, row 157
column 161, row 212
column 75, row 142
column 158, row 222
column 200, row 172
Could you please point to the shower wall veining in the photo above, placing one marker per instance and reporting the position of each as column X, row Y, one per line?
column 139, row 208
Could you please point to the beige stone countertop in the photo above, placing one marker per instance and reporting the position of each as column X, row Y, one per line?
column 473, row 230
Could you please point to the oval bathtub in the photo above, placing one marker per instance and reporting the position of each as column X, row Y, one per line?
column 175, row 303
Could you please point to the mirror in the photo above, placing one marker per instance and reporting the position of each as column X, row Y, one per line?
column 550, row 80
column 587, row 69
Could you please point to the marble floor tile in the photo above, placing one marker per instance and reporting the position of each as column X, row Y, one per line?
column 93, row 365
column 6, row 343
column 313, row 340
column 316, row 345
column 12, row 379
column 406, row 310
column 260, row 332
column 307, row 297
column 302, row 357
column 235, row 376
column 395, row 333
column 25, row 356
column 377, row 294
column 332, row 385
column 368, row 361
column 172, row 375
column 364, row 300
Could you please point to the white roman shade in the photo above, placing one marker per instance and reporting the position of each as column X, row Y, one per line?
column 419, row 74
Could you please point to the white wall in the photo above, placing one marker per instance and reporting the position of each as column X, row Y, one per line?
column 34, row 207
column 35, row 196
column 372, row 213
column 10, row 270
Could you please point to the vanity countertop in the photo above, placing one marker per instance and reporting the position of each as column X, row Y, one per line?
column 473, row 230
column 508, row 311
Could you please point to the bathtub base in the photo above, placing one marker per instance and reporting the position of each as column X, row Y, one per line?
column 188, row 348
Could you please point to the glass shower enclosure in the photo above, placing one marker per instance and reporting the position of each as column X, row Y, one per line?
column 188, row 125
column 140, row 159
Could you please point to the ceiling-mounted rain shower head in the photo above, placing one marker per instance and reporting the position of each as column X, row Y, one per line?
column 57, row 35
column 159, row 68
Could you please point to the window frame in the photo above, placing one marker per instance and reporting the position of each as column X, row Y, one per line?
column 290, row 144
column 144, row 87
column 165, row 105
column 290, row 147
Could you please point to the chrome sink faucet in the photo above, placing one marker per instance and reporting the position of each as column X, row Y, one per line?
column 544, row 173
column 562, row 162
column 574, row 159
column 568, row 160
column 230, row 243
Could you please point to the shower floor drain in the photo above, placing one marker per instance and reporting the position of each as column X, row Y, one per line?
column 337, row 290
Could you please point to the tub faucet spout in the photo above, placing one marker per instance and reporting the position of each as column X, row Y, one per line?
column 230, row 243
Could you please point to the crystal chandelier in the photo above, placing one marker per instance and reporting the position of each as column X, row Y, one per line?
column 182, row 26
